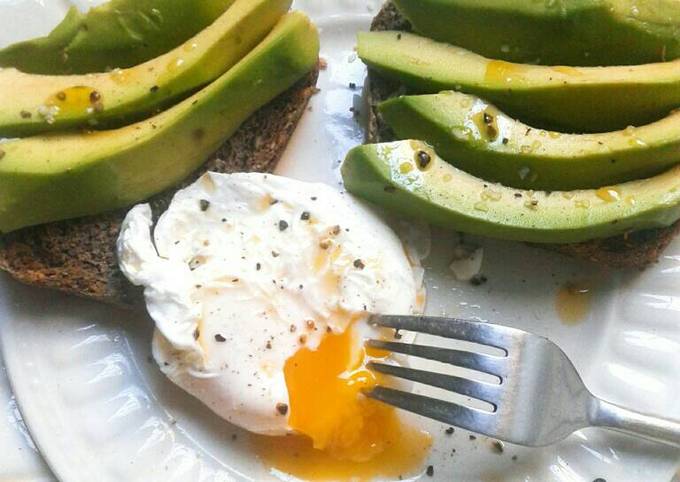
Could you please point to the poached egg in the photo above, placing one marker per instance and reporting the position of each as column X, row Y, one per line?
column 260, row 288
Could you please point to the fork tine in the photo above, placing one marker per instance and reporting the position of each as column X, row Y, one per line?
column 483, row 333
column 470, row 388
column 490, row 364
column 447, row 412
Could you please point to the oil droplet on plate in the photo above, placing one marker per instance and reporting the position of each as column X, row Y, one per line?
column 573, row 302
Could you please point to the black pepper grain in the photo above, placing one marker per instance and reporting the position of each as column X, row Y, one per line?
column 449, row 431
column 25, row 114
column 95, row 97
column 282, row 408
column 424, row 159
column 283, row 225
column 258, row 266
column 205, row 205
column 430, row 471
column 154, row 89
column 219, row 338
column 497, row 447
column 478, row 280
column 305, row 216
column 358, row 264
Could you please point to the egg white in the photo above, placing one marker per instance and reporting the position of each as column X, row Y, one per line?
column 243, row 270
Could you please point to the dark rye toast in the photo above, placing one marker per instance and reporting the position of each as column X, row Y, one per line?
column 79, row 256
column 635, row 250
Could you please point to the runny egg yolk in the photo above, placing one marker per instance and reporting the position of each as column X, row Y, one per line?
column 343, row 434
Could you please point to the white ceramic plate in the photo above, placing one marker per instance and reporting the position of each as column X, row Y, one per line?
column 99, row 410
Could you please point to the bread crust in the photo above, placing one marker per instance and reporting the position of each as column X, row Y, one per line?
column 79, row 256
column 632, row 251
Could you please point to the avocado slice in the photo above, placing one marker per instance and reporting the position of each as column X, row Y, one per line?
column 57, row 103
column 476, row 137
column 407, row 177
column 585, row 99
column 563, row 32
column 57, row 177
column 117, row 34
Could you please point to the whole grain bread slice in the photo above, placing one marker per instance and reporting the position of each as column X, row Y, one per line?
column 635, row 250
column 79, row 256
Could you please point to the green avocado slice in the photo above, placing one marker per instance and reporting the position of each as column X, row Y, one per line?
column 63, row 176
column 553, row 32
column 31, row 104
column 476, row 137
column 408, row 178
column 117, row 34
column 586, row 99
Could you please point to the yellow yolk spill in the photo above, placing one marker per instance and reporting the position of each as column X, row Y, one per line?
column 346, row 435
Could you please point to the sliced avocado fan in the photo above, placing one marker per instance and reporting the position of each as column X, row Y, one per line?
column 476, row 137
column 31, row 104
column 56, row 177
column 569, row 99
column 117, row 34
column 553, row 32
column 408, row 178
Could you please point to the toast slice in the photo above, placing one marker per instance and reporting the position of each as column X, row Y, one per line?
column 79, row 256
column 635, row 250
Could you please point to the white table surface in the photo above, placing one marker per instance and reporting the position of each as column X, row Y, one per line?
column 19, row 459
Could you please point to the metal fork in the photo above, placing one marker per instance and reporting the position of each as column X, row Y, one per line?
column 540, row 400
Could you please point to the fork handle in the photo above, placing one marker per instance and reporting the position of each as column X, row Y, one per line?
column 607, row 415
